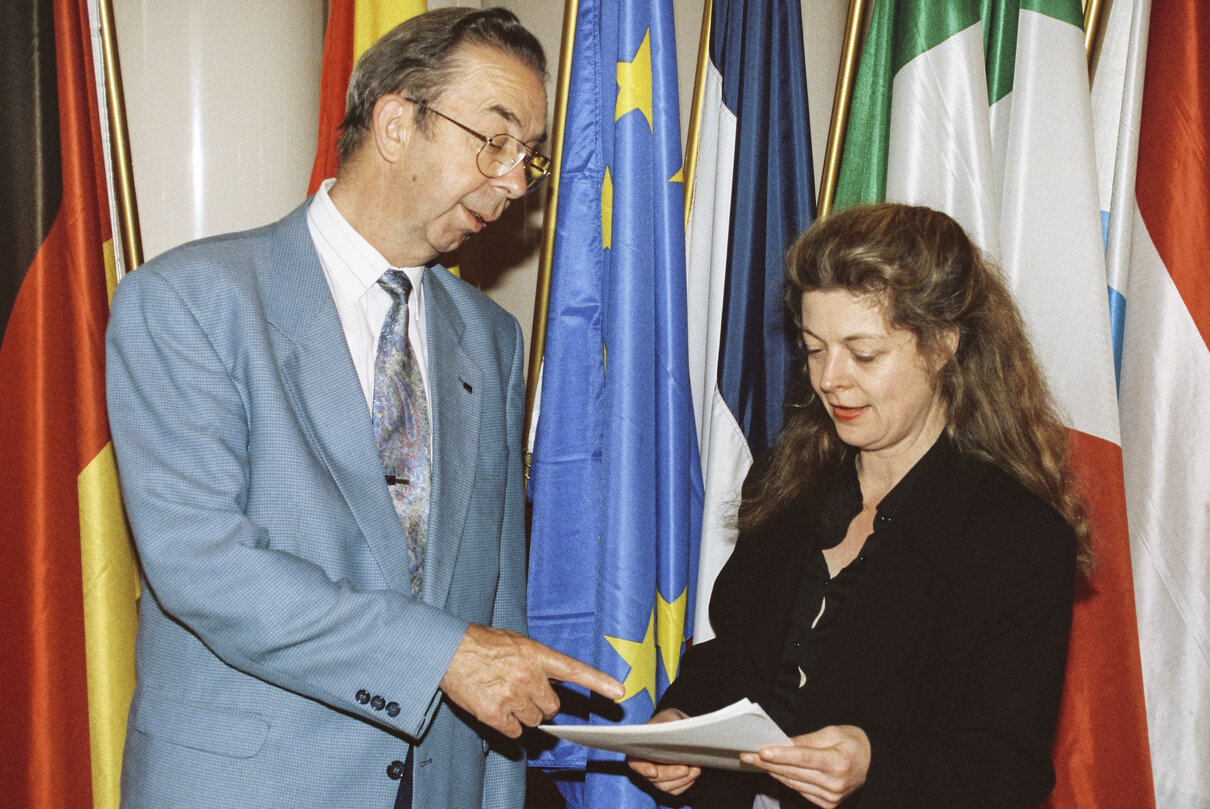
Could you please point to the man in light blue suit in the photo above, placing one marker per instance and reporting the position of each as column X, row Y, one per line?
column 283, row 657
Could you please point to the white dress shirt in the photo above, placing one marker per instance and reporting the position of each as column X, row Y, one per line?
column 352, row 268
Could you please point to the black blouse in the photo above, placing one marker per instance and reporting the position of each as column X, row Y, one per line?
column 945, row 642
column 821, row 597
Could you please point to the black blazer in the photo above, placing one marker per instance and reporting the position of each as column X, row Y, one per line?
column 949, row 652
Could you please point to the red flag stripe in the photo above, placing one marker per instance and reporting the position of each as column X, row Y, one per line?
column 1101, row 754
column 86, row 226
column 337, row 68
column 1174, row 152
column 43, row 642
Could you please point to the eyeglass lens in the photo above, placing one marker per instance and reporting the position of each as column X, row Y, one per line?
column 501, row 154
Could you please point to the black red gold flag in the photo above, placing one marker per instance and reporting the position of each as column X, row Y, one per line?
column 66, row 607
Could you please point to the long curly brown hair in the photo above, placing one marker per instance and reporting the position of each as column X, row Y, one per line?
column 929, row 278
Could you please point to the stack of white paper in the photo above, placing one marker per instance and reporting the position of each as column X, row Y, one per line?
column 710, row 740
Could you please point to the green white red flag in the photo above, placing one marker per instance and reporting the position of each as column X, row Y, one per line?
column 982, row 110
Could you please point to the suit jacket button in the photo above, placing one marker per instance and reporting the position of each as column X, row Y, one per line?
column 377, row 703
column 363, row 696
column 392, row 709
column 395, row 770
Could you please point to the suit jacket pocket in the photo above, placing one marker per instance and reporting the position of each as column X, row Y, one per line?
column 238, row 734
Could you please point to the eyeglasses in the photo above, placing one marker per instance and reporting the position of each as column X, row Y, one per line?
column 501, row 153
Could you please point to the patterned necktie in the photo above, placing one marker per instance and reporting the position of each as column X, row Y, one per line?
column 401, row 422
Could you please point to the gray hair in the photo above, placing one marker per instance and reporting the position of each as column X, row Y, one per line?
column 418, row 58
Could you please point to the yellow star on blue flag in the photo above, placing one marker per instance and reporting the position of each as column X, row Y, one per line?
column 634, row 83
column 670, row 630
column 640, row 657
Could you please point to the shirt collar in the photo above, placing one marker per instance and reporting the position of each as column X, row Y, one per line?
column 341, row 244
column 921, row 506
column 839, row 502
column 940, row 455
column 932, row 502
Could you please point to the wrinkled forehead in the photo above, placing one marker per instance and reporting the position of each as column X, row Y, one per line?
column 492, row 86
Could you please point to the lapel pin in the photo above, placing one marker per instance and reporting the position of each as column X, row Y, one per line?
column 467, row 387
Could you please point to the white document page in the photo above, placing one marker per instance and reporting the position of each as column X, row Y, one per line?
column 710, row 740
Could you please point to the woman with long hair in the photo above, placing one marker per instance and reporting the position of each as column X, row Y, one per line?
column 899, row 598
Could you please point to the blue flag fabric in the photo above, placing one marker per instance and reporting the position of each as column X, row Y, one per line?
column 758, row 49
column 753, row 185
column 615, row 476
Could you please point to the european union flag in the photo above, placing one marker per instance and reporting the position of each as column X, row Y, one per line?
column 616, row 478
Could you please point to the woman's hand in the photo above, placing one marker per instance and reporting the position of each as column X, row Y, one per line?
column 825, row 767
column 671, row 778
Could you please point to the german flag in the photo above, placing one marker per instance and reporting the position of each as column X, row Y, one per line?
column 67, row 606
column 353, row 26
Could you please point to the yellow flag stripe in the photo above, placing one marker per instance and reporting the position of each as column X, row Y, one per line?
column 373, row 18
column 110, row 595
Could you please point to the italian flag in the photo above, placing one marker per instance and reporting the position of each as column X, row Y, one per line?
column 982, row 109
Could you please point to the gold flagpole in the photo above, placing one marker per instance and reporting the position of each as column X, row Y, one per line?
column 537, row 348
column 695, row 111
column 846, row 77
column 123, row 171
column 1092, row 22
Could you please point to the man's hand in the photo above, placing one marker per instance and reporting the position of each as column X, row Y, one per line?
column 825, row 767
column 671, row 778
column 503, row 679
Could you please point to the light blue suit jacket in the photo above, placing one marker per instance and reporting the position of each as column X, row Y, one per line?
column 274, row 567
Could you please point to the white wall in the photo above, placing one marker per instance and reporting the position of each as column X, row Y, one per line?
column 222, row 100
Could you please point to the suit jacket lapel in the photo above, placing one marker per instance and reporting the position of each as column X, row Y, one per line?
column 323, row 390
column 456, row 382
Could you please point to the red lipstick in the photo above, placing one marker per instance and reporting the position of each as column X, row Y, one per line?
column 846, row 413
